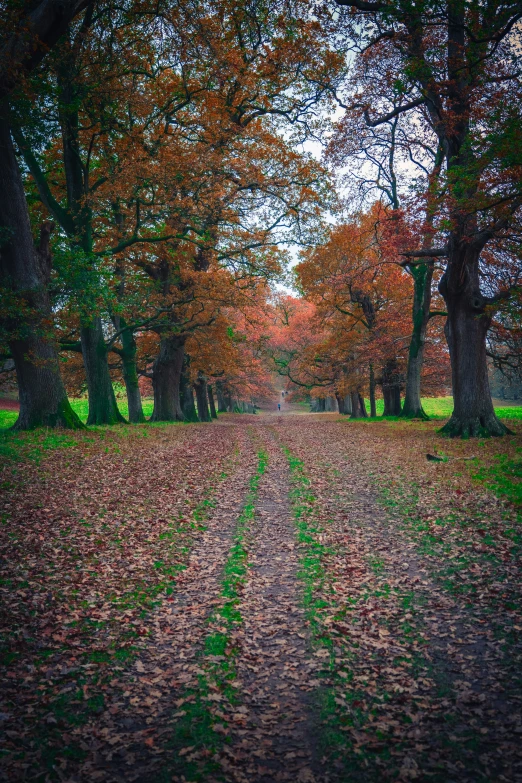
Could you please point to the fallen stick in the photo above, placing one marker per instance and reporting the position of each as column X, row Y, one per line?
column 434, row 458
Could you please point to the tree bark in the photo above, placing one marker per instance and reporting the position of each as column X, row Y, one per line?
column 211, row 402
column 103, row 408
column 329, row 404
column 356, row 405
column 391, row 388
column 422, row 277
column 222, row 405
column 201, row 398
column 166, row 376
column 373, row 407
column 24, row 273
column 127, row 353
column 187, row 397
column 362, row 406
column 465, row 329
column 130, row 377
column 340, row 402
column 102, row 401
column 347, row 403
column 40, row 25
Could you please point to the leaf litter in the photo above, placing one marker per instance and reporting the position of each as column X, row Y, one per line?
column 368, row 630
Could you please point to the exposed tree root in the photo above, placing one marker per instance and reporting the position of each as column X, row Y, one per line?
column 474, row 427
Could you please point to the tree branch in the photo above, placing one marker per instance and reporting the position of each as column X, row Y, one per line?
column 76, row 346
column 36, row 29
column 395, row 113
column 363, row 5
column 429, row 252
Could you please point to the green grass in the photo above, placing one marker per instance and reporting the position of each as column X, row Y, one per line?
column 435, row 407
column 442, row 408
column 509, row 413
column 16, row 446
column 503, row 476
column 7, row 419
column 81, row 407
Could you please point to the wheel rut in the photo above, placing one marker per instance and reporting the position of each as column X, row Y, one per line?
column 126, row 742
column 273, row 736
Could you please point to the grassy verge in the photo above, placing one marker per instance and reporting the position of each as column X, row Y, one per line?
column 442, row 408
column 81, row 407
column 201, row 726
column 34, row 444
column 470, row 556
column 502, row 475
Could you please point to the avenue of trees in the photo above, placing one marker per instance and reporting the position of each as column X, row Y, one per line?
column 154, row 174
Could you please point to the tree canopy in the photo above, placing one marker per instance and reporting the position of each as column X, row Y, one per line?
column 160, row 173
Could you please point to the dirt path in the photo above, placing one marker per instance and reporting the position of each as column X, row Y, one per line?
column 315, row 635
column 274, row 739
column 126, row 742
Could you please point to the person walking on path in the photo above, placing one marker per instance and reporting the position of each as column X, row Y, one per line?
column 278, row 406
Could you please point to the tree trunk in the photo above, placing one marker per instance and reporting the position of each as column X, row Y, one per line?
column 391, row 388
column 340, row 402
column 102, row 401
column 222, row 405
column 466, row 328
column 24, row 271
column 166, row 376
column 373, row 407
column 356, row 405
column 130, row 376
column 211, row 402
column 362, row 406
column 422, row 276
column 329, row 404
column 43, row 400
column 187, row 398
column 347, row 403
column 322, row 405
column 201, row 398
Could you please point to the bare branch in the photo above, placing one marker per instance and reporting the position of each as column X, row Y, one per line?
column 395, row 113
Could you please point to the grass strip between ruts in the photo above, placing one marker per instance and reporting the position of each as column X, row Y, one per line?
column 201, row 726
column 316, row 584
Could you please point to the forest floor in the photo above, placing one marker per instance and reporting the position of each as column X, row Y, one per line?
column 290, row 598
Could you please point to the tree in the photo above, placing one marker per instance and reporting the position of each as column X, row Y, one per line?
column 450, row 60
column 391, row 161
column 76, row 110
column 357, row 290
column 28, row 32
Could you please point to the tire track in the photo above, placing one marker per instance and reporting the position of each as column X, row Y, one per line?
column 272, row 737
column 127, row 742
